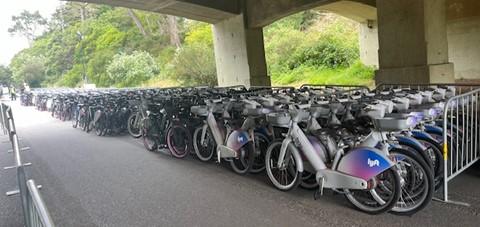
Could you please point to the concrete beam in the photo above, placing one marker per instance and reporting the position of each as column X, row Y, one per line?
column 210, row 11
column 413, row 44
column 239, row 54
column 264, row 12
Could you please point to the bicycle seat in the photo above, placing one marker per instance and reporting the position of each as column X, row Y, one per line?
column 279, row 119
column 319, row 110
column 255, row 112
column 388, row 124
column 199, row 110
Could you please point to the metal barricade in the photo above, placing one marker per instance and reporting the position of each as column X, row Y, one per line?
column 460, row 128
column 38, row 214
column 460, row 135
column 344, row 89
column 459, row 88
column 35, row 212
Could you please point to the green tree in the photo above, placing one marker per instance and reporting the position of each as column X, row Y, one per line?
column 28, row 68
column 5, row 75
column 194, row 63
column 27, row 24
column 129, row 70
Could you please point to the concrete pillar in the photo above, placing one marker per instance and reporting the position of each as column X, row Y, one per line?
column 413, row 44
column 239, row 54
column 463, row 31
column 368, row 40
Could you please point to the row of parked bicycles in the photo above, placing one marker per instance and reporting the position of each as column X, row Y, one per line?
column 382, row 150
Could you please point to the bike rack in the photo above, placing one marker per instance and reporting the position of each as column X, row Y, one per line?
column 461, row 134
column 35, row 212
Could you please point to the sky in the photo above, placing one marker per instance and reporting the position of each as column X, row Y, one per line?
column 10, row 45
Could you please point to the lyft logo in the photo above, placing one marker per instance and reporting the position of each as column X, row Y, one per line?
column 373, row 163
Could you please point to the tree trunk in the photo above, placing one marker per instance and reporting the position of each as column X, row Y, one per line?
column 173, row 31
column 137, row 22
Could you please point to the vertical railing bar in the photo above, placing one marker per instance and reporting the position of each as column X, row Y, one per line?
column 463, row 135
column 476, row 126
column 456, row 136
column 471, row 129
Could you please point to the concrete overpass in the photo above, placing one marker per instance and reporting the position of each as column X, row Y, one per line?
column 408, row 40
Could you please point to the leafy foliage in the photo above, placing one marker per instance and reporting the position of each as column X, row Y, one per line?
column 120, row 47
column 132, row 69
column 5, row 75
column 194, row 63
column 27, row 24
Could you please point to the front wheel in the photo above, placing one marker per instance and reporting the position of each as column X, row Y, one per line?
column 417, row 182
column 244, row 162
column 261, row 145
column 287, row 176
column 133, row 126
column 179, row 141
column 366, row 200
column 149, row 141
column 204, row 149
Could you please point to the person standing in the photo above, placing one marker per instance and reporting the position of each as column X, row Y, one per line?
column 13, row 94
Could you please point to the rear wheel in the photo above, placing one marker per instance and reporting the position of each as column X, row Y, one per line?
column 179, row 141
column 285, row 177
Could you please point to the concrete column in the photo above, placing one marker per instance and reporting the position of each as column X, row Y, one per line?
column 368, row 40
column 239, row 54
column 413, row 44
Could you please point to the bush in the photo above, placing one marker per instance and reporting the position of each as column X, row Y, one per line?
column 195, row 65
column 328, row 52
column 194, row 62
column 128, row 70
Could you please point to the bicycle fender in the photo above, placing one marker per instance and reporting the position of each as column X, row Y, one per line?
column 364, row 163
column 411, row 142
column 434, row 129
column 417, row 134
column 237, row 139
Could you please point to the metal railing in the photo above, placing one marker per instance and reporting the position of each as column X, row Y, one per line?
column 35, row 212
column 460, row 135
column 459, row 88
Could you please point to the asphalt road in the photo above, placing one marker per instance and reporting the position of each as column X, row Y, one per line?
column 113, row 181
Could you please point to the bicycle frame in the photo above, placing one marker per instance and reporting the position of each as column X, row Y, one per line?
column 228, row 141
column 351, row 171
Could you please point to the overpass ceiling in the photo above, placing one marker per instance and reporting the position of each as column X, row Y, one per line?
column 210, row 11
column 264, row 12
column 354, row 10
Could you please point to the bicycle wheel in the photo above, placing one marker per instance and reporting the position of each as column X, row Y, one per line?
column 133, row 126
column 244, row 162
column 418, row 183
column 434, row 152
column 205, row 149
column 75, row 122
column 366, row 200
column 179, row 141
column 261, row 146
column 308, row 181
column 149, row 141
column 286, row 177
